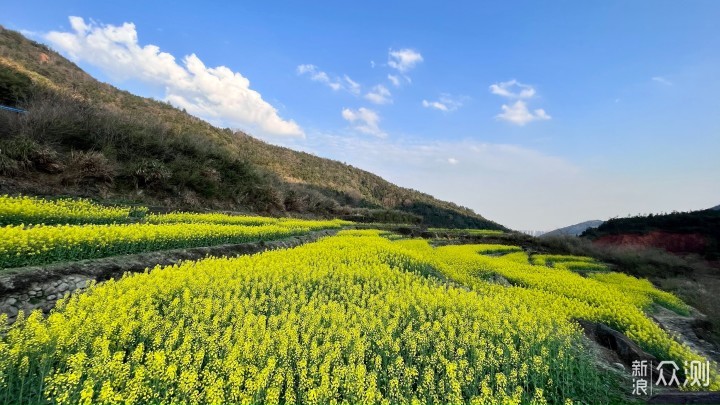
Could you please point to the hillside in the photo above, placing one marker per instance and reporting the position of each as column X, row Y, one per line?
column 86, row 138
column 679, row 232
column 574, row 230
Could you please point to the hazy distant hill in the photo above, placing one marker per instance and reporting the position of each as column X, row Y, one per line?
column 83, row 137
column 574, row 230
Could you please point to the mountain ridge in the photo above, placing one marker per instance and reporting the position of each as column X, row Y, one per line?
column 574, row 230
column 85, row 137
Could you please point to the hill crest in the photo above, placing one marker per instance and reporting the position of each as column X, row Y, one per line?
column 83, row 137
column 574, row 230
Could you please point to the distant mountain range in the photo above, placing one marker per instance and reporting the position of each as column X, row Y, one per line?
column 574, row 230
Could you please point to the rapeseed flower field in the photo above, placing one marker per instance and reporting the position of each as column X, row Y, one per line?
column 32, row 210
column 352, row 318
column 21, row 246
column 43, row 231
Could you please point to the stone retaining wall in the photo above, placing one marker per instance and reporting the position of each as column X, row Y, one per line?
column 39, row 287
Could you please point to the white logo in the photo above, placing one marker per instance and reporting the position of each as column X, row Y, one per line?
column 695, row 373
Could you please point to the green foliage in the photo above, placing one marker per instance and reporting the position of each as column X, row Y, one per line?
column 21, row 154
column 150, row 172
column 466, row 232
column 706, row 222
column 379, row 215
column 447, row 217
column 15, row 87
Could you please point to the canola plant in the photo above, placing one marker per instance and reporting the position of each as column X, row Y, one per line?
column 353, row 318
column 39, row 231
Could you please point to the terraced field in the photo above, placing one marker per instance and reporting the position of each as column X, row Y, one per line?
column 34, row 233
column 360, row 317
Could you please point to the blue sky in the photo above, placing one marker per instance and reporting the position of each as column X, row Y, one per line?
column 535, row 114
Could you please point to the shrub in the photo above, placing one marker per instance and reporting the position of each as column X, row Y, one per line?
column 88, row 167
column 18, row 154
column 150, row 172
column 14, row 86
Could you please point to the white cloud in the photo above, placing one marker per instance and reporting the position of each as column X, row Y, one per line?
column 398, row 80
column 337, row 83
column 519, row 114
column 364, row 120
column 446, row 103
column 404, row 59
column 512, row 89
column 351, row 86
column 217, row 94
column 662, row 80
column 434, row 104
column 395, row 80
column 379, row 95
column 302, row 69
column 319, row 76
column 31, row 34
column 453, row 161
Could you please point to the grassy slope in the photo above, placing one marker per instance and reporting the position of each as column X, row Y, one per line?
column 88, row 138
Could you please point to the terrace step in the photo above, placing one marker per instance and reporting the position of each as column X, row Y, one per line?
column 39, row 287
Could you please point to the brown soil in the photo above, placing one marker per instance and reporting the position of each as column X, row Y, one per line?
column 671, row 242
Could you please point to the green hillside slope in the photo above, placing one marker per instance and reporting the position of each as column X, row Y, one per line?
column 84, row 137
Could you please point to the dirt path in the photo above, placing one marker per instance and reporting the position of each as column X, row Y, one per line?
column 683, row 329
